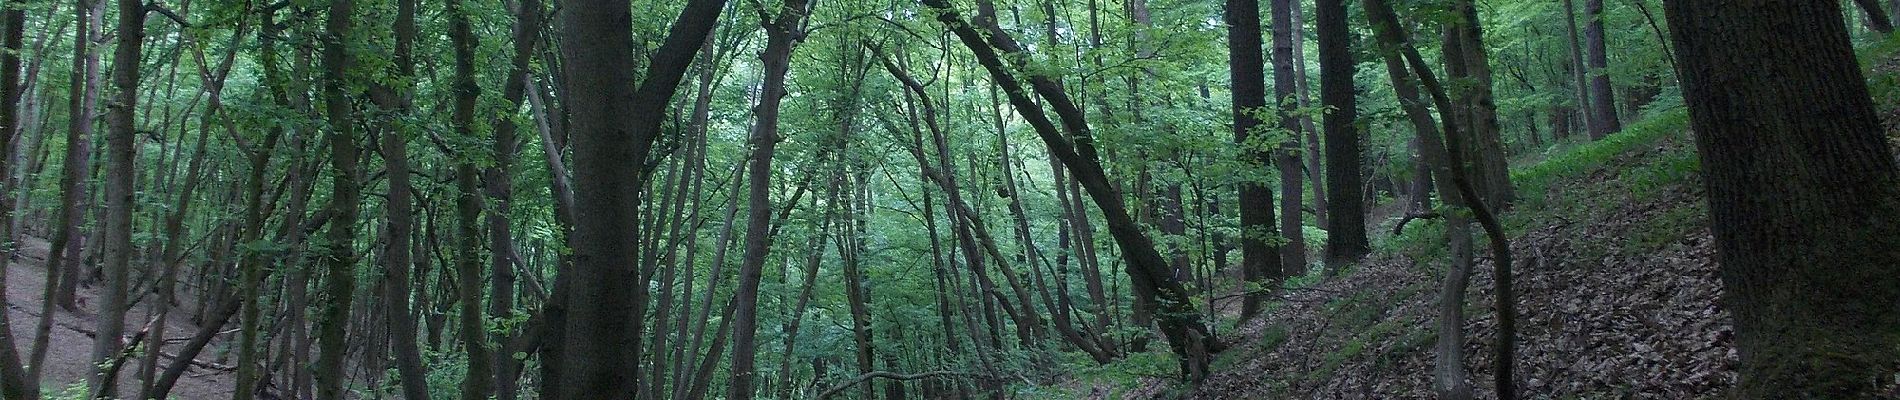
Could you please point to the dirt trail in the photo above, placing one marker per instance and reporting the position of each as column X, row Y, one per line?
column 69, row 347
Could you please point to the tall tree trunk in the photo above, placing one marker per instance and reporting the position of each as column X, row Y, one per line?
column 1578, row 67
column 478, row 382
column 1603, row 120
column 1449, row 377
column 399, row 212
column 500, row 192
column 1346, row 228
column 13, row 377
column 782, row 32
column 612, row 132
column 82, row 92
column 122, row 154
column 340, row 252
column 1491, row 172
column 1804, row 199
column 1260, row 261
column 1292, row 189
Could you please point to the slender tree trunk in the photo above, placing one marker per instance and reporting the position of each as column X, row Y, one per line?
column 1876, row 17
column 1804, row 198
column 399, row 214
column 500, row 192
column 80, row 99
column 340, row 252
column 1578, row 67
column 782, row 32
column 1179, row 322
column 468, row 208
column 1449, row 377
column 1287, row 159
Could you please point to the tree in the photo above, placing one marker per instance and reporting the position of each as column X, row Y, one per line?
column 340, row 253
column 1152, row 279
column 1285, row 89
column 1804, row 199
column 1260, row 260
column 613, row 128
column 121, row 153
column 13, row 377
column 783, row 30
column 1346, row 228
column 1603, row 120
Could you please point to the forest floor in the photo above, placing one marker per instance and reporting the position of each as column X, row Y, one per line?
column 1617, row 292
column 69, row 344
column 1616, row 288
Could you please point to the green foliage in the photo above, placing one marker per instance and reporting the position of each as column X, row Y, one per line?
column 1536, row 180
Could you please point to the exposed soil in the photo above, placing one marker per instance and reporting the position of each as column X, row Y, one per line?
column 69, row 344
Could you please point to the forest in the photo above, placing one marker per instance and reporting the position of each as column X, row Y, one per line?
column 949, row 199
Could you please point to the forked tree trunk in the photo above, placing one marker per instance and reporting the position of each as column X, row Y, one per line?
column 612, row 132
column 782, row 32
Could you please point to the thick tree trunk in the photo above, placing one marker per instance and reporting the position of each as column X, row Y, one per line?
column 1346, row 228
column 1603, row 119
column 613, row 126
column 1490, row 170
column 1260, row 262
column 1804, row 199
column 13, row 377
column 121, row 154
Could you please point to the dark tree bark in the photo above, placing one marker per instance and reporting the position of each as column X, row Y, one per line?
column 399, row 214
column 499, row 189
column 1346, row 228
column 1876, row 17
column 81, row 96
column 340, row 254
column 613, row 126
column 13, row 377
column 783, row 30
column 1260, row 262
column 1292, row 188
column 479, row 381
column 1804, row 199
column 1603, row 120
column 121, row 155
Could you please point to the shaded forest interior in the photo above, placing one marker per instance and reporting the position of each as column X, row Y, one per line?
column 949, row 199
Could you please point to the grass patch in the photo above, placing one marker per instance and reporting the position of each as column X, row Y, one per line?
column 1658, row 233
column 1535, row 180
